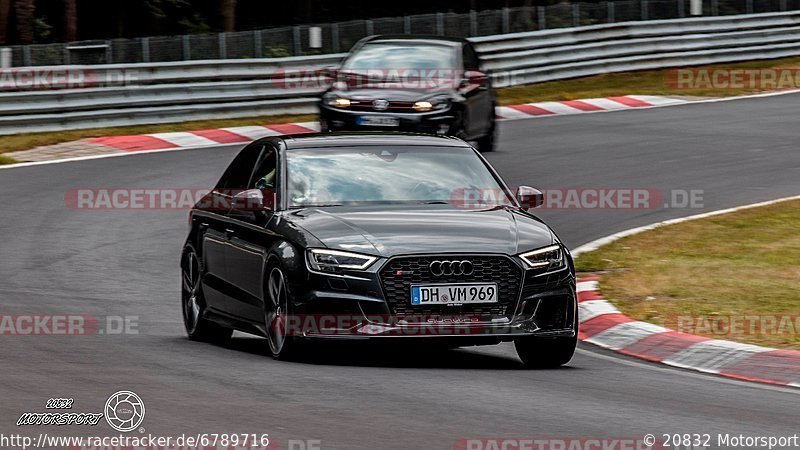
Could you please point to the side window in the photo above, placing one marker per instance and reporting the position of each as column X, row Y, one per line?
column 470, row 58
column 264, row 174
column 238, row 174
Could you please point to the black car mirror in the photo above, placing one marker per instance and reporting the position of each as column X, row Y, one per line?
column 475, row 78
column 529, row 197
column 254, row 200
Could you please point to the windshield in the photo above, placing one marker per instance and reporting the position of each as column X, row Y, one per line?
column 370, row 175
column 400, row 56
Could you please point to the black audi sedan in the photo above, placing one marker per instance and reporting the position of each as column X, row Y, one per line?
column 412, row 83
column 376, row 236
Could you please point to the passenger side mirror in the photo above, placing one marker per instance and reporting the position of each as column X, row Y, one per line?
column 529, row 197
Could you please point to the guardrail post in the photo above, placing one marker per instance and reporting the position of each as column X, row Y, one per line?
column 258, row 47
column 681, row 9
column 714, row 8
column 506, row 25
column 296, row 45
column 187, row 48
column 473, row 23
column 369, row 27
column 407, row 25
column 26, row 55
column 145, row 49
column 335, row 37
column 440, row 24
column 645, row 7
column 65, row 53
column 610, row 8
column 109, row 53
column 576, row 14
column 696, row 7
column 5, row 58
column 782, row 4
column 223, row 48
column 540, row 13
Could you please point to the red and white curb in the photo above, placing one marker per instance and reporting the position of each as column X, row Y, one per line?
column 202, row 138
column 234, row 135
column 589, row 105
column 603, row 325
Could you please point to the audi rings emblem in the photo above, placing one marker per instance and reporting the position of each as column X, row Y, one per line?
column 442, row 268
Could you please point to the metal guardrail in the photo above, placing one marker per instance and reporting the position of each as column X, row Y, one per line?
column 181, row 91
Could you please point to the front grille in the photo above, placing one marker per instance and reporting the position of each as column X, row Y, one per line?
column 394, row 106
column 487, row 269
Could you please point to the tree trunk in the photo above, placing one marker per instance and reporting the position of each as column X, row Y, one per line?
column 70, row 20
column 5, row 12
column 23, row 10
column 229, row 15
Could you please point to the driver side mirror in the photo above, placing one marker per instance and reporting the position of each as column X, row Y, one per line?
column 474, row 78
column 529, row 197
column 254, row 200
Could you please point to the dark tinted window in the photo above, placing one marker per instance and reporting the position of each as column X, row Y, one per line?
column 470, row 58
column 237, row 175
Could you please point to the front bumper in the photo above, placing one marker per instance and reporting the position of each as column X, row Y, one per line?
column 433, row 122
column 357, row 307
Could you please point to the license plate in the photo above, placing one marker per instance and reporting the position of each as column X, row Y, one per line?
column 378, row 121
column 455, row 294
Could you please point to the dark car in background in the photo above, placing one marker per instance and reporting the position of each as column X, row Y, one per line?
column 412, row 83
column 369, row 237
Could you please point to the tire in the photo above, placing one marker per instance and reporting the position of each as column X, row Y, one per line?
column 193, row 303
column 546, row 353
column 277, row 307
column 486, row 143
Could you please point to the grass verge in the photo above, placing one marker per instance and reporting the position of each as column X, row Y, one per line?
column 6, row 160
column 648, row 82
column 713, row 277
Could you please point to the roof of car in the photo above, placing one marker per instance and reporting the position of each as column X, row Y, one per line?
column 421, row 38
column 352, row 139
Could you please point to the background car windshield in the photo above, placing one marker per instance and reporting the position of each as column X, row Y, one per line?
column 390, row 55
column 389, row 175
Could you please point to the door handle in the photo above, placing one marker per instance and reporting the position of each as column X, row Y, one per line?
column 229, row 232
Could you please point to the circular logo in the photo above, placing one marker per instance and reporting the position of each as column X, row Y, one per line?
column 380, row 105
column 124, row 411
column 441, row 268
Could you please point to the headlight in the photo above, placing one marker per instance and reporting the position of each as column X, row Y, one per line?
column 550, row 258
column 427, row 105
column 324, row 260
column 422, row 106
column 339, row 102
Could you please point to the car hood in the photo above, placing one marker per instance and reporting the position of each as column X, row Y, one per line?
column 428, row 229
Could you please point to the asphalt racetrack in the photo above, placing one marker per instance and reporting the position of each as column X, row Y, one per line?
column 58, row 260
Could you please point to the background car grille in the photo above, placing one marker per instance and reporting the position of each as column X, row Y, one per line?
column 497, row 269
column 394, row 106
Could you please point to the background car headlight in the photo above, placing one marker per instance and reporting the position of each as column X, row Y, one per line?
column 333, row 260
column 427, row 105
column 550, row 258
column 339, row 102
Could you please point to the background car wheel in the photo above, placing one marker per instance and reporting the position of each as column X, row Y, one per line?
column 486, row 143
column 193, row 303
column 546, row 353
column 277, row 308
